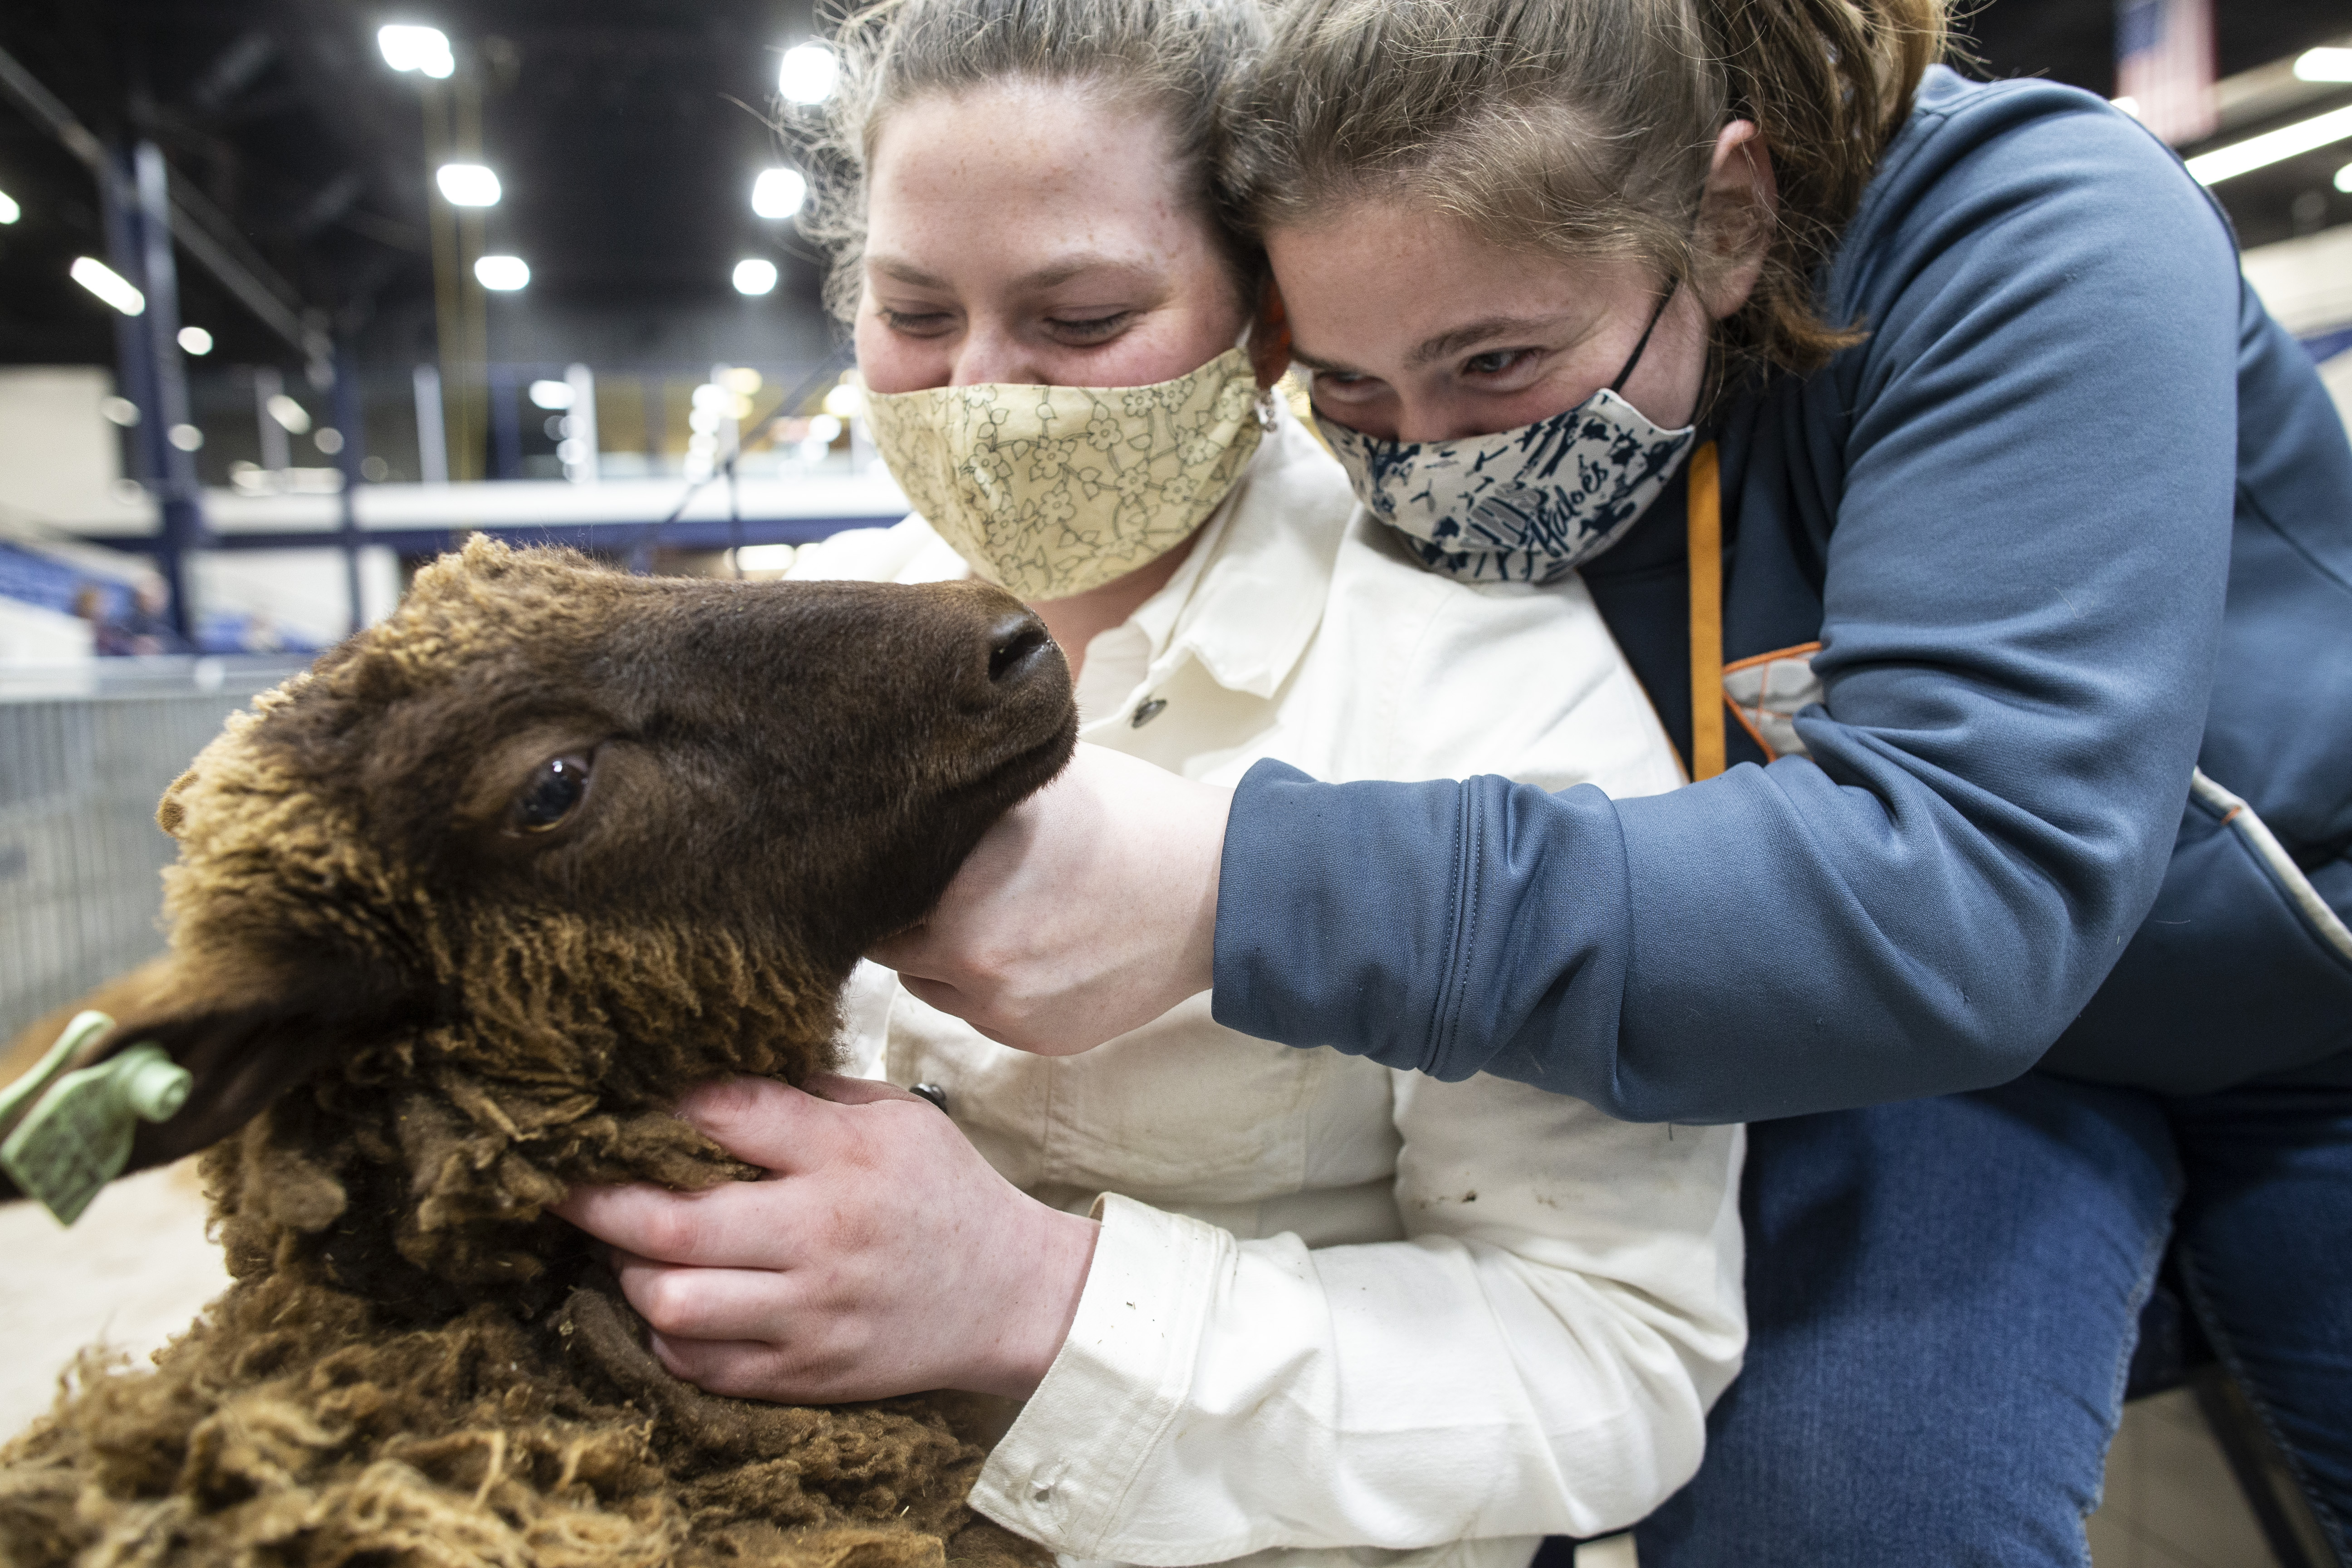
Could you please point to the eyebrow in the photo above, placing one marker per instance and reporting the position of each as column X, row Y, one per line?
column 1317, row 363
column 906, row 272
column 1043, row 277
column 1447, row 343
column 1443, row 345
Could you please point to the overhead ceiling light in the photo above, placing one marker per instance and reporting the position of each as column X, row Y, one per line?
column 2324, row 65
column 2272, row 147
column 808, row 73
column 555, row 396
column 2127, row 103
column 501, row 274
column 9, row 211
column 468, row 185
column 424, row 50
column 778, row 193
column 756, row 276
column 290, row 416
column 108, row 284
column 196, row 340
column 2344, row 179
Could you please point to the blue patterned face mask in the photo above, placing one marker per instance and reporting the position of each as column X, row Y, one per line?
column 1527, row 505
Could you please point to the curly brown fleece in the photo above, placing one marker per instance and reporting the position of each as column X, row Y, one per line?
column 445, row 1020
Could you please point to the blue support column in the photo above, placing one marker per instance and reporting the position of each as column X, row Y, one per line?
column 350, row 419
column 138, row 215
column 133, row 374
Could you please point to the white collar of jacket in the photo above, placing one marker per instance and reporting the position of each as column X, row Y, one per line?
column 1247, row 599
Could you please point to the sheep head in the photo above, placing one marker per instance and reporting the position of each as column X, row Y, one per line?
column 463, row 906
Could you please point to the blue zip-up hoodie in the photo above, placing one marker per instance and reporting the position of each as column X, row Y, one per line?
column 2074, row 517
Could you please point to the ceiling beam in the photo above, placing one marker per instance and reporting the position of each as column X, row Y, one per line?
column 202, row 229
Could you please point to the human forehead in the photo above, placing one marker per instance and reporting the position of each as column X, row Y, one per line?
column 1019, row 170
column 1399, row 282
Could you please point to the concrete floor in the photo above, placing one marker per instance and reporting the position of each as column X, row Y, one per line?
column 137, row 1269
column 2171, row 1500
column 133, row 1273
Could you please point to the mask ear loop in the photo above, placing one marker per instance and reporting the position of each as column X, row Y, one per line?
column 1655, row 316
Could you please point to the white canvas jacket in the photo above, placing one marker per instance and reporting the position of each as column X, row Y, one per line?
column 1340, row 1315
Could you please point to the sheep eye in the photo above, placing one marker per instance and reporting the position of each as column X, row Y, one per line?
column 554, row 794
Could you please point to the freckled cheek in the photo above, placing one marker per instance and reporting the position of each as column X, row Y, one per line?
column 891, row 364
column 1148, row 356
column 1173, row 342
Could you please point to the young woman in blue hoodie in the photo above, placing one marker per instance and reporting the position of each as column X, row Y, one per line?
column 1987, row 551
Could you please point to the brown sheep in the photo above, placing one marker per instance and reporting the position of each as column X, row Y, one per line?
column 455, row 915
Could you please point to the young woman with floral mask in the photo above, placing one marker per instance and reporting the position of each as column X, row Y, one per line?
column 1963, row 510
column 1256, row 1299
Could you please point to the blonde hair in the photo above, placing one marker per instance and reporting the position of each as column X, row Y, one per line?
column 1586, row 128
column 1173, row 58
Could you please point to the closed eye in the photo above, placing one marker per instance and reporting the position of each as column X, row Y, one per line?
column 1346, row 386
column 915, row 323
column 1089, row 330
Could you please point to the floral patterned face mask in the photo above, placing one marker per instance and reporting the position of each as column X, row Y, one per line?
column 1051, row 491
column 1527, row 505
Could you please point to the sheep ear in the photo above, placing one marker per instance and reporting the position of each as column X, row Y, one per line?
column 242, row 1045
column 240, row 1061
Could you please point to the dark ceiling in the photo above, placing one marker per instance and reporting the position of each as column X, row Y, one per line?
column 619, row 130
column 617, row 126
column 2072, row 41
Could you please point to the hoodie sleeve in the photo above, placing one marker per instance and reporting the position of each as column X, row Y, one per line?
column 2034, row 463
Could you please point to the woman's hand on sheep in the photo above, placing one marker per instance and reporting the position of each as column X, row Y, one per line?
column 1090, row 910
column 882, row 1256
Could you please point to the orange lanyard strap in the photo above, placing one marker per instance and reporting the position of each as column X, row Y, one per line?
column 1706, row 509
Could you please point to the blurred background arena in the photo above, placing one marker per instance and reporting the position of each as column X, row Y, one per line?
column 296, row 293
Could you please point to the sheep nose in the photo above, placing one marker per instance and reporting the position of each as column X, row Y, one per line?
column 1014, row 643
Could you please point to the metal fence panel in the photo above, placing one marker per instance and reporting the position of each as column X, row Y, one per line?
column 80, row 771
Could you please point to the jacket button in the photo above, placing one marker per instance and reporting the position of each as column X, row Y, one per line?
column 1145, row 712
column 931, row 1092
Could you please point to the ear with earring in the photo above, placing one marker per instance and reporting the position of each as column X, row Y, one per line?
column 1269, row 337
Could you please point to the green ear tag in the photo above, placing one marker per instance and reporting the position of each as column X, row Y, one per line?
column 76, row 1136
column 80, row 1030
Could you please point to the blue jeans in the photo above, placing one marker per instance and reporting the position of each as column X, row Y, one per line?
column 1944, row 1296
